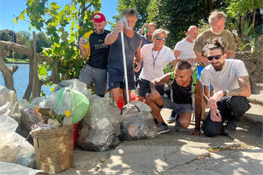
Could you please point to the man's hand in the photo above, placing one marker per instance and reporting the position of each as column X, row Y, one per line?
column 215, row 115
column 191, row 60
column 81, row 44
column 196, row 132
column 214, row 99
column 118, row 28
column 155, row 94
column 138, row 67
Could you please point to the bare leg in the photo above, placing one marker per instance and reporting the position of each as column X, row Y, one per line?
column 203, row 112
column 155, row 109
column 115, row 94
column 184, row 119
column 140, row 98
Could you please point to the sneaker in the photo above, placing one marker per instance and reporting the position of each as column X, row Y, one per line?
column 171, row 119
column 162, row 129
column 230, row 127
column 177, row 126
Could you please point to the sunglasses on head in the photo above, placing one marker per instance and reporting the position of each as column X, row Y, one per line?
column 160, row 38
column 217, row 57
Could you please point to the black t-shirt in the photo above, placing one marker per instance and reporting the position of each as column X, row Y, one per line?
column 98, row 50
column 182, row 95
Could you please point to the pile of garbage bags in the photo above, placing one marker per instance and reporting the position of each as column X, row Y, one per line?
column 100, row 128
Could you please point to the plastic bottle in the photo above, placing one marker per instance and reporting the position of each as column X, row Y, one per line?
column 67, row 120
column 145, row 29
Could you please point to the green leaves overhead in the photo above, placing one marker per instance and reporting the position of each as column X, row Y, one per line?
column 178, row 15
column 64, row 25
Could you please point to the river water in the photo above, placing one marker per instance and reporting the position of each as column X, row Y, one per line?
column 21, row 79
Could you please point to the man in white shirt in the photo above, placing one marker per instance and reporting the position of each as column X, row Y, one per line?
column 155, row 57
column 230, row 80
column 183, row 50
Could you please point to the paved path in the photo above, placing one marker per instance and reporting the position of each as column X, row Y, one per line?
column 179, row 153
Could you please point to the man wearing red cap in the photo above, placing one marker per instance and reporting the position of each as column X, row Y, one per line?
column 93, row 48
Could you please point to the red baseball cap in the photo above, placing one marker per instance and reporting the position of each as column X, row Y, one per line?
column 98, row 17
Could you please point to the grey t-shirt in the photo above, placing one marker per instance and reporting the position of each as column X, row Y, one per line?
column 115, row 56
column 227, row 78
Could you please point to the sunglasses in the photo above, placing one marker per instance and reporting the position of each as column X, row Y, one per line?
column 217, row 57
column 160, row 38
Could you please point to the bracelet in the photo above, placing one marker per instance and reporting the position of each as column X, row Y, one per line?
column 224, row 92
column 197, row 128
column 115, row 35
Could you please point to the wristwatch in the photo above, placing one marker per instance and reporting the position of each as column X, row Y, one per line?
column 224, row 92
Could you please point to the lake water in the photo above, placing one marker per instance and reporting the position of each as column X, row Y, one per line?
column 21, row 79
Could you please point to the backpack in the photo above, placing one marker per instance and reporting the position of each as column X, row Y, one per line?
column 193, row 83
column 169, row 91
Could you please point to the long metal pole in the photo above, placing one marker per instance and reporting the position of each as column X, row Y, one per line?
column 125, row 68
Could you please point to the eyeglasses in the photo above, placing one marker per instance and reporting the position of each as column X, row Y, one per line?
column 160, row 38
column 217, row 57
column 219, row 27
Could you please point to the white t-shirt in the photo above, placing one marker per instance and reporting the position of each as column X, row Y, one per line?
column 227, row 78
column 186, row 49
column 162, row 58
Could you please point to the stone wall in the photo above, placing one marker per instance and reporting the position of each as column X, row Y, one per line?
column 254, row 61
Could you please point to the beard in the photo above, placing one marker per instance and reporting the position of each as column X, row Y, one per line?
column 218, row 67
column 100, row 31
column 149, row 37
column 214, row 31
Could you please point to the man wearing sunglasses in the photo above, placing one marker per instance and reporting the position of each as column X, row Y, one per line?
column 230, row 80
column 155, row 57
column 146, row 39
column 216, row 21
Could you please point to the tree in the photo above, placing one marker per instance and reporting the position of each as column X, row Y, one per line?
column 140, row 5
column 177, row 15
column 240, row 8
column 64, row 50
column 5, row 36
column 23, row 38
column 8, row 35
column 42, row 41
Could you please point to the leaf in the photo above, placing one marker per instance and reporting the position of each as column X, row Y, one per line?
column 64, row 36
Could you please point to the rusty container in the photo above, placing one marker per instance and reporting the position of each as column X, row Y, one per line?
column 54, row 149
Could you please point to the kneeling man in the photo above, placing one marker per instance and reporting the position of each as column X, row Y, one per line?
column 179, row 99
column 230, row 80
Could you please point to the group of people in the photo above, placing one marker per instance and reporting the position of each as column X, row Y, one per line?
column 202, row 63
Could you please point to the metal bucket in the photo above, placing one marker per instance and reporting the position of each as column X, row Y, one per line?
column 54, row 149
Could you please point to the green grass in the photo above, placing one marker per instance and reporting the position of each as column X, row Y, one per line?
column 16, row 61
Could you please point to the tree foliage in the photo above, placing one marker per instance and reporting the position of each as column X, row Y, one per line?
column 177, row 15
column 240, row 9
column 5, row 36
column 56, row 20
column 42, row 41
column 140, row 5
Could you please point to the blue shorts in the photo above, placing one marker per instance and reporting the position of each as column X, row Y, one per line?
column 116, row 80
column 199, row 71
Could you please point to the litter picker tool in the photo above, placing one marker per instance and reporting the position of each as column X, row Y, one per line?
column 124, row 21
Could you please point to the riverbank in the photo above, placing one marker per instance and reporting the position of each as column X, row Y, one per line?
column 16, row 61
